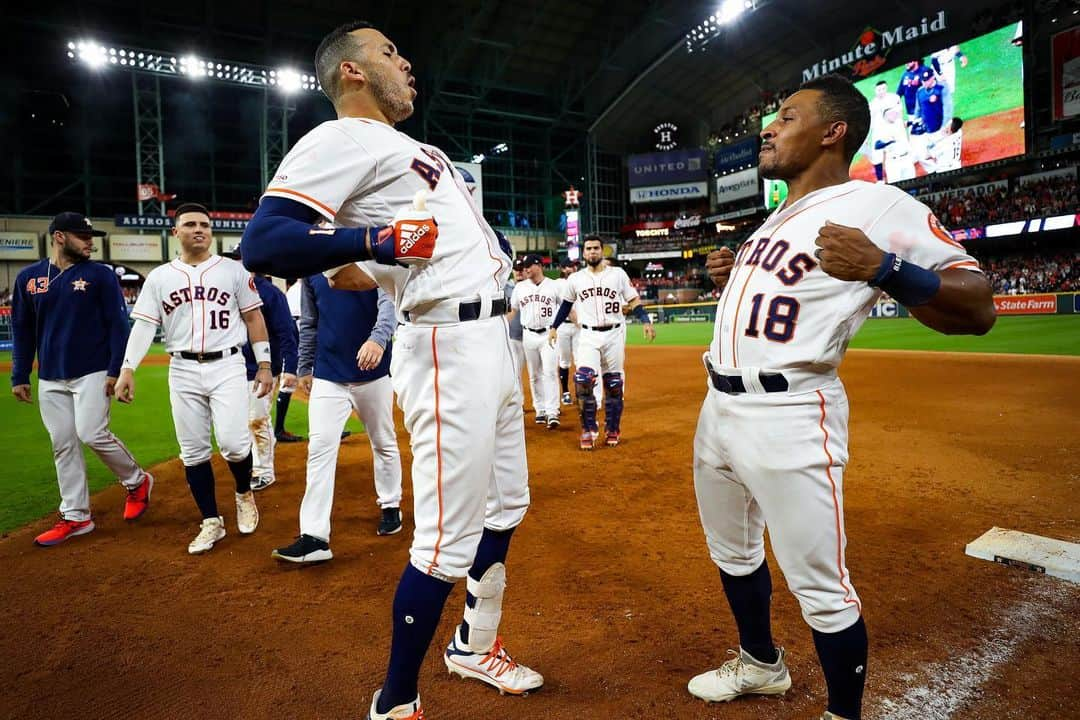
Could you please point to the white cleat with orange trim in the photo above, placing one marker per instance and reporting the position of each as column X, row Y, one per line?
column 408, row 711
column 494, row 667
column 742, row 675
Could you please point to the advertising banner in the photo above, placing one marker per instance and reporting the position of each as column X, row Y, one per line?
column 669, row 168
column 164, row 222
column 19, row 246
column 737, row 186
column 664, row 193
column 135, row 248
column 1065, row 66
column 980, row 189
column 1025, row 304
column 736, row 156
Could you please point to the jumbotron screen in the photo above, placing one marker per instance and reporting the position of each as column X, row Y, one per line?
column 960, row 106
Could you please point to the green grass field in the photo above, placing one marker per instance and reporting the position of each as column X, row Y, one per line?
column 28, row 478
column 28, row 482
column 1045, row 335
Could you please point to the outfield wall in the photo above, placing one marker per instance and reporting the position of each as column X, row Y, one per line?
column 1040, row 304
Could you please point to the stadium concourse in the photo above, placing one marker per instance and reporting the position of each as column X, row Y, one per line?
column 641, row 123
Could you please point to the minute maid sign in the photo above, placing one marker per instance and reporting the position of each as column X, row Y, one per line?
column 873, row 46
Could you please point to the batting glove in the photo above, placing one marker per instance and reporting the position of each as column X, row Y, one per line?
column 410, row 238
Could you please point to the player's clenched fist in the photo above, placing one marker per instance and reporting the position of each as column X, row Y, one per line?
column 125, row 386
column 410, row 238
column 719, row 264
column 846, row 253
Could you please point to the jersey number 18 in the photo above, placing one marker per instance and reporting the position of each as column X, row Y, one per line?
column 780, row 319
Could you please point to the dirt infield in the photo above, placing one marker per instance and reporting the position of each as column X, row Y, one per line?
column 612, row 595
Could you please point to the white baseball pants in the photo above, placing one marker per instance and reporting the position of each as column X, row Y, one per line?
column 543, row 373
column 777, row 459
column 76, row 412
column 202, row 394
column 462, row 405
column 329, row 407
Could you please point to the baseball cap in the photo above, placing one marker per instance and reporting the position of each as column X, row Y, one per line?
column 519, row 264
column 529, row 260
column 74, row 222
column 927, row 74
column 567, row 263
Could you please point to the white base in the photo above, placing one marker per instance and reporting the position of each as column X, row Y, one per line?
column 1033, row 552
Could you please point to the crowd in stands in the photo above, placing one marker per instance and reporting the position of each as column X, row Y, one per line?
column 5, row 297
column 1050, row 196
column 1019, row 274
column 750, row 120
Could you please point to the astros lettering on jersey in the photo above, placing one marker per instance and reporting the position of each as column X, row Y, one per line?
column 537, row 302
column 598, row 297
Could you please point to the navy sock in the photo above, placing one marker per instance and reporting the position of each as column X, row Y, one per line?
column 843, row 660
column 241, row 470
column 564, row 379
column 749, row 597
column 879, row 171
column 282, row 410
column 418, row 605
column 494, row 544
column 200, row 480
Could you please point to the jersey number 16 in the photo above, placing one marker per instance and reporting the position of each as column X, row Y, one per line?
column 219, row 319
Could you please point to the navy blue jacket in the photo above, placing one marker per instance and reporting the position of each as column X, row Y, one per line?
column 280, row 327
column 333, row 326
column 76, row 321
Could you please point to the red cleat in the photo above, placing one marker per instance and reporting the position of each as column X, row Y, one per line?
column 588, row 440
column 138, row 499
column 612, row 438
column 63, row 530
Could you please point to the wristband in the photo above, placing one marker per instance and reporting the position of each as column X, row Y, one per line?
column 261, row 350
column 640, row 314
column 908, row 283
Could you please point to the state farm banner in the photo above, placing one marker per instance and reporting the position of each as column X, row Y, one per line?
column 135, row 248
column 1045, row 304
column 473, row 175
column 668, row 168
column 1065, row 67
column 665, row 193
column 736, row 156
column 737, row 186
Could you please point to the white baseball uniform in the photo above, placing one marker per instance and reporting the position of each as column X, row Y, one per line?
column 453, row 375
column 537, row 303
column 199, row 309
column 598, row 298
column 947, row 151
column 567, row 332
column 898, row 156
column 878, row 107
column 776, row 456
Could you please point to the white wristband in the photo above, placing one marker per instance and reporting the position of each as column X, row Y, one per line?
column 261, row 349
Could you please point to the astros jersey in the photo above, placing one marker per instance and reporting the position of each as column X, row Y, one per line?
column 537, row 303
column 947, row 151
column 598, row 297
column 779, row 310
column 878, row 107
column 198, row 307
column 359, row 173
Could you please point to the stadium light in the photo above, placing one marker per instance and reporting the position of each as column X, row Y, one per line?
column 478, row 158
column 97, row 56
column 699, row 37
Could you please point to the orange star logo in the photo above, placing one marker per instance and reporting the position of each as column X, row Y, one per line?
column 79, row 285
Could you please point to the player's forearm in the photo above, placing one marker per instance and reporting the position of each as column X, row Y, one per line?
column 138, row 343
column 256, row 326
column 281, row 240
column 385, row 321
column 964, row 305
column 24, row 336
column 562, row 314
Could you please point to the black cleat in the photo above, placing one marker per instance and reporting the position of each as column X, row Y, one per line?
column 306, row 549
column 391, row 521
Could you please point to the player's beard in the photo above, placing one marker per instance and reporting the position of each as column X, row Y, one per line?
column 393, row 98
column 594, row 262
column 73, row 253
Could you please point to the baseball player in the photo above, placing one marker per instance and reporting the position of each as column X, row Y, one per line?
column 771, row 441
column 929, row 119
column 69, row 311
column 880, row 105
column 344, row 366
column 285, row 393
column 517, row 348
column 451, row 369
column 891, row 140
column 597, row 293
column 943, row 63
column 535, row 301
column 910, row 82
column 948, row 150
column 567, row 333
column 207, row 307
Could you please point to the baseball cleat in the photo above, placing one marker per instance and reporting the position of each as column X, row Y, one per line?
column 830, row 716
column 262, row 482
column 138, row 498
column 63, row 530
column 391, row 521
column 408, row 711
column 211, row 530
column 540, row 419
column 566, row 399
column 306, row 549
column 553, row 422
column 287, row 437
column 611, row 438
column 742, row 675
column 494, row 667
column 247, row 514
column 588, row 440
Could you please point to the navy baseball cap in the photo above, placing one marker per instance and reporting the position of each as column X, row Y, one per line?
column 531, row 260
column 74, row 222
column 519, row 263
column 927, row 74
